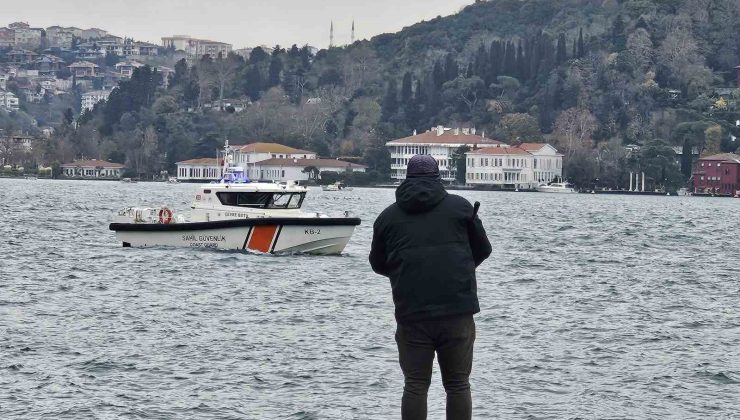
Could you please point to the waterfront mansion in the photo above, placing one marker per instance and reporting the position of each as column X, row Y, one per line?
column 525, row 166
column 488, row 162
column 440, row 143
column 265, row 161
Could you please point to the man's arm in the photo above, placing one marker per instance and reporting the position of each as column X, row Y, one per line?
column 479, row 243
column 378, row 256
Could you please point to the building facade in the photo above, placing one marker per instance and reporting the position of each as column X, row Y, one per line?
column 247, row 156
column 196, row 47
column 57, row 36
column 201, row 169
column 525, row 166
column 717, row 174
column 265, row 161
column 89, row 99
column 8, row 101
column 301, row 169
column 439, row 142
column 125, row 69
column 92, row 33
column 26, row 37
column 7, row 38
column 85, row 69
column 93, row 169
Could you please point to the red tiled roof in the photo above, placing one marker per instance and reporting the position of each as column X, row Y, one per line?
column 319, row 163
column 270, row 148
column 723, row 157
column 447, row 137
column 532, row 146
column 499, row 151
column 200, row 161
column 92, row 163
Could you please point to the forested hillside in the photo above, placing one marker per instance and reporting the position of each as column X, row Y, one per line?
column 589, row 76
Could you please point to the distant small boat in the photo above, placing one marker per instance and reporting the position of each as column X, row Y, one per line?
column 556, row 187
column 172, row 181
column 337, row 186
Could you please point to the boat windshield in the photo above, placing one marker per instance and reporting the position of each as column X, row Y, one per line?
column 262, row 200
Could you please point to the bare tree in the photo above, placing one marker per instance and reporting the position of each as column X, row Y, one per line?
column 224, row 70
column 573, row 130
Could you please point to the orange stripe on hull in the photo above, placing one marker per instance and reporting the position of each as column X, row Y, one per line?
column 262, row 237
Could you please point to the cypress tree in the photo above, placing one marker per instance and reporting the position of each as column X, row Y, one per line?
column 481, row 62
column 406, row 92
column 561, row 56
column 520, row 65
column 581, row 47
column 438, row 75
column 390, row 101
column 494, row 62
column 510, row 60
column 433, row 97
column 574, row 54
column 254, row 83
column 619, row 39
column 412, row 108
column 452, row 69
column 276, row 67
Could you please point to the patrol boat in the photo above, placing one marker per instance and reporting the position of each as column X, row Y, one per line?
column 237, row 214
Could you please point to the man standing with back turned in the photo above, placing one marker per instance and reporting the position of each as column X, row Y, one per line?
column 429, row 243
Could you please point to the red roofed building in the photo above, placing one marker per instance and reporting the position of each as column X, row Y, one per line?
column 91, row 168
column 717, row 174
column 524, row 166
column 295, row 169
column 201, row 169
column 247, row 156
column 439, row 142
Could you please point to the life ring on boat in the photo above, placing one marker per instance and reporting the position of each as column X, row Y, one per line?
column 165, row 216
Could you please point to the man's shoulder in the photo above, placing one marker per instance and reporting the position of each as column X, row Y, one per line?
column 458, row 201
column 389, row 211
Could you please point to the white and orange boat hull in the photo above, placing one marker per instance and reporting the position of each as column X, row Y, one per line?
column 320, row 236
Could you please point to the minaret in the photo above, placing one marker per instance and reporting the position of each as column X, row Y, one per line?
column 331, row 35
column 353, row 33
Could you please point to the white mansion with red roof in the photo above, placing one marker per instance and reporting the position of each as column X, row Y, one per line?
column 92, row 168
column 490, row 162
column 440, row 143
column 265, row 161
column 525, row 166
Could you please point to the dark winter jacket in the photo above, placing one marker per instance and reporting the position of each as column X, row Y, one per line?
column 429, row 243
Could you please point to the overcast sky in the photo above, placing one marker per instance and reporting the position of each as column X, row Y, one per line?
column 243, row 23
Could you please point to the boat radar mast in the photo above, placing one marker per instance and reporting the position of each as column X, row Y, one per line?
column 231, row 174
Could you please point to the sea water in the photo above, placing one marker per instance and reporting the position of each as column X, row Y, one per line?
column 591, row 307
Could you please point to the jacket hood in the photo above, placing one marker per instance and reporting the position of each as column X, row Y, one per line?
column 419, row 195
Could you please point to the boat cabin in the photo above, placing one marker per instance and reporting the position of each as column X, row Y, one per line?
column 262, row 200
column 256, row 196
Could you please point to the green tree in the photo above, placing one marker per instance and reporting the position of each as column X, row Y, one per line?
column 276, row 69
column 459, row 162
column 713, row 136
column 520, row 128
column 390, row 101
column 658, row 162
column 312, row 171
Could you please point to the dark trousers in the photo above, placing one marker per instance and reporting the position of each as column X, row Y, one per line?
column 452, row 339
